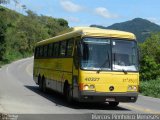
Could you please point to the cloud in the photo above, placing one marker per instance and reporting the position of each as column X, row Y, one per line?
column 101, row 11
column 154, row 20
column 70, row 6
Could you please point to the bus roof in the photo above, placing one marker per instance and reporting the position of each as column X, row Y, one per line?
column 89, row 32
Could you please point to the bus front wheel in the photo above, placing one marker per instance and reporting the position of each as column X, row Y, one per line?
column 67, row 93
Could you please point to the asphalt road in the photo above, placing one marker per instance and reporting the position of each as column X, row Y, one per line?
column 20, row 95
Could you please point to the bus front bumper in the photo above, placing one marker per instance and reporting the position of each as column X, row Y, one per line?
column 90, row 96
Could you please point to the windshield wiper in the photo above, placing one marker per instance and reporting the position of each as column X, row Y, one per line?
column 107, row 60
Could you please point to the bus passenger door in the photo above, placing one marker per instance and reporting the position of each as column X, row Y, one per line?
column 76, row 59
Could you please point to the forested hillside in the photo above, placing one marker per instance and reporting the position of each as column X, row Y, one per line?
column 19, row 33
column 142, row 28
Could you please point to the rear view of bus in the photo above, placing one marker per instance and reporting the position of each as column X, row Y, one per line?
column 108, row 67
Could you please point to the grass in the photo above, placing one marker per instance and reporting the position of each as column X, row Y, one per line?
column 14, row 57
column 150, row 88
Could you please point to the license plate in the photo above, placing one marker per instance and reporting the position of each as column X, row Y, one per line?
column 110, row 99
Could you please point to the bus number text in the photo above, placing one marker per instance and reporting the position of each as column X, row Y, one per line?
column 92, row 79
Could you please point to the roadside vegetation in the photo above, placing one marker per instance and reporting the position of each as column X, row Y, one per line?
column 150, row 66
column 19, row 33
column 150, row 88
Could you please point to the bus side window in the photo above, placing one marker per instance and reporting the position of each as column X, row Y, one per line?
column 70, row 47
column 37, row 52
column 50, row 50
column 63, row 48
column 45, row 51
column 41, row 51
column 56, row 49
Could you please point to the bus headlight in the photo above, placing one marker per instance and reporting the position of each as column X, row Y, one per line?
column 92, row 87
column 86, row 87
column 129, row 87
column 132, row 88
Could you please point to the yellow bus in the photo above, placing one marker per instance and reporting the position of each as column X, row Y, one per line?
column 89, row 64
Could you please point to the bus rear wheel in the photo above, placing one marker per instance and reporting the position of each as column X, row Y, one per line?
column 113, row 104
column 40, row 83
column 43, row 84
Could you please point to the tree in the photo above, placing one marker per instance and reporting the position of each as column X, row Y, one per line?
column 3, row 27
column 149, row 69
column 16, row 3
column 31, row 14
column 150, row 58
column 19, row 33
column 24, row 7
column 33, row 30
column 4, row 1
column 54, row 25
column 151, row 47
column 62, row 22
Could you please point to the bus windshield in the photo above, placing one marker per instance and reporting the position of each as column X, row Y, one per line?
column 124, row 55
column 93, row 53
column 109, row 54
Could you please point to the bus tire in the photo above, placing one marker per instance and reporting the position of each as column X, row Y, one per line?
column 113, row 104
column 40, row 83
column 67, row 93
column 43, row 84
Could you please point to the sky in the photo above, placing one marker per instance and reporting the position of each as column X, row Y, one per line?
column 89, row 12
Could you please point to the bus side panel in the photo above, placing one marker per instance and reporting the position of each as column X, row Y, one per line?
column 55, row 71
